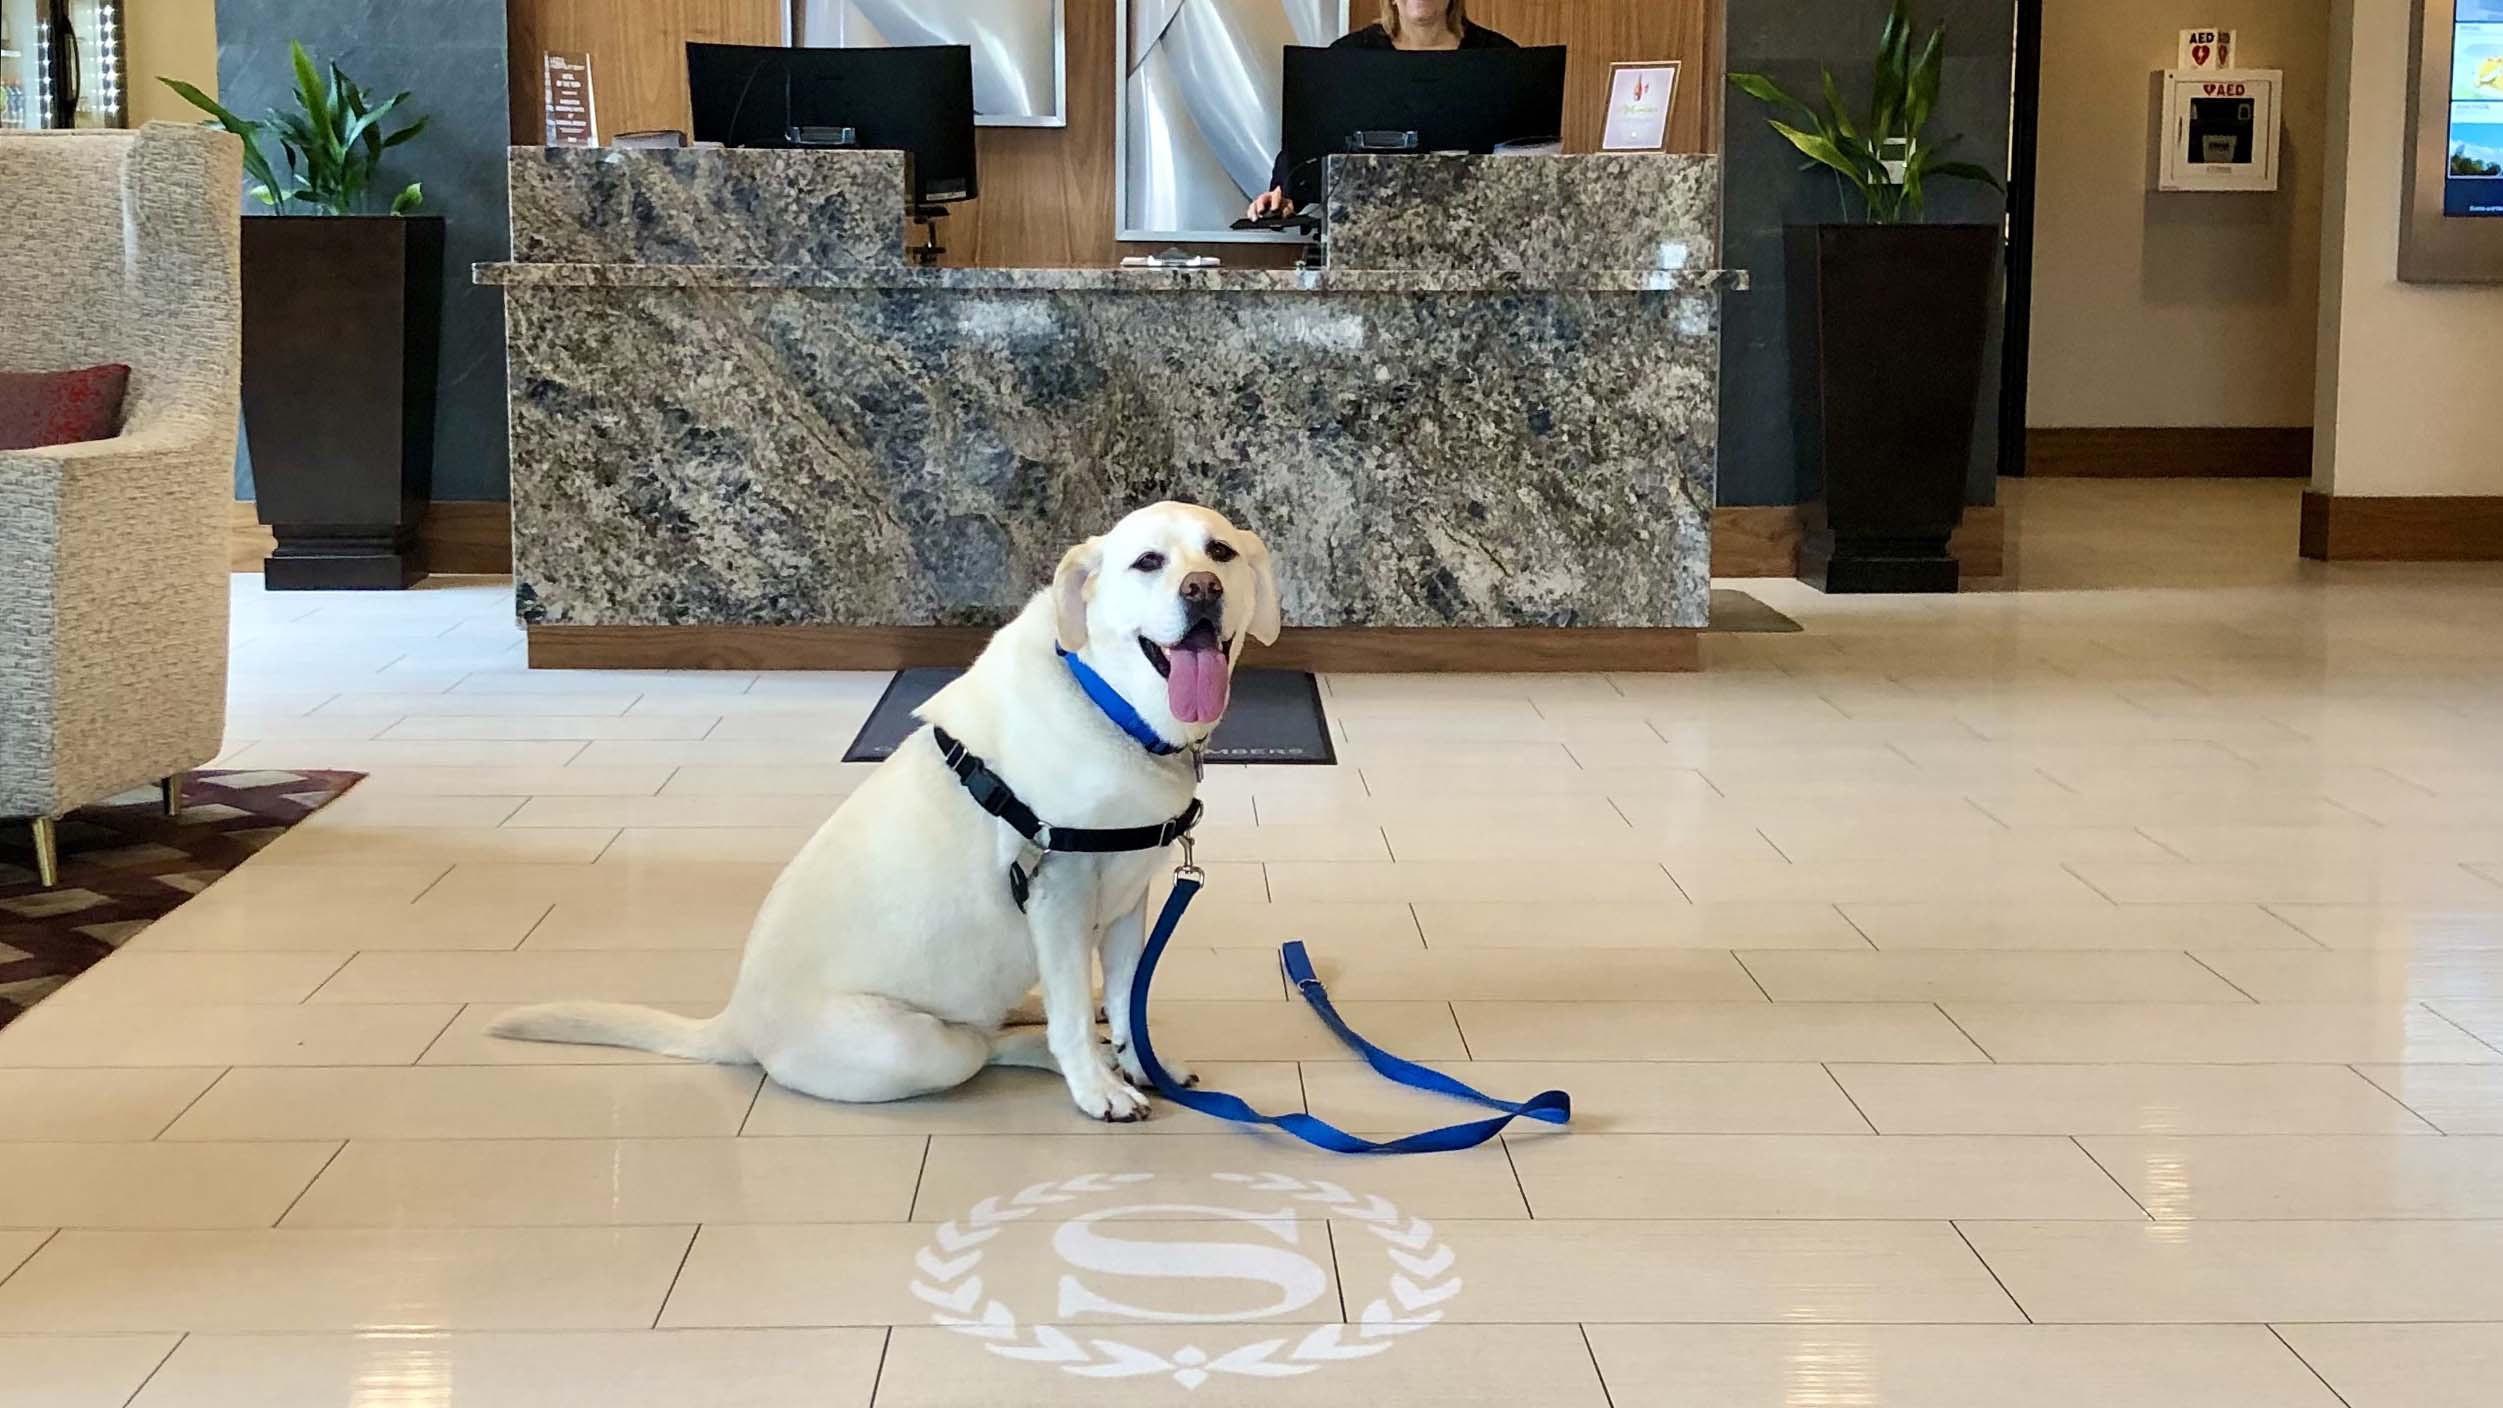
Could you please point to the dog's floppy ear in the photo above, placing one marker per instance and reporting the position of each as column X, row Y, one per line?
column 1078, row 567
column 1266, row 614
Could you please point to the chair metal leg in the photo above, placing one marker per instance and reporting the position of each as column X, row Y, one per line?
column 172, row 787
column 47, row 853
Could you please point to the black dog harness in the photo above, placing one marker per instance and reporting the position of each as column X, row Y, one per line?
column 993, row 795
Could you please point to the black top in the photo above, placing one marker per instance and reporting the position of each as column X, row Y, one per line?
column 1472, row 36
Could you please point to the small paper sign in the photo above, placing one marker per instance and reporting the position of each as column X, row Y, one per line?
column 1640, row 99
column 2207, row 49
column 572, row 120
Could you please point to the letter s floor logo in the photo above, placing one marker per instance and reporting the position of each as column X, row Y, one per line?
column 1270, row 1267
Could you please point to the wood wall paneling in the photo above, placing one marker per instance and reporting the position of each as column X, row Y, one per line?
column 2168, row 452
column 1047, row 193
column 1604, row 32
column 638, row 54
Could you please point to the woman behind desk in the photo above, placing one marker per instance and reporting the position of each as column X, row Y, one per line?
column 1406, row 24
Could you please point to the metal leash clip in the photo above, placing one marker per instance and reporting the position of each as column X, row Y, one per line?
column 1188, row 870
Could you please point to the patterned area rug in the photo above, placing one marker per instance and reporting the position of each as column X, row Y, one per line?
column 124, row 864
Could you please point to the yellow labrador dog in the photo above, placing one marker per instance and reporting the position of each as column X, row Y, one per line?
column 888, row 958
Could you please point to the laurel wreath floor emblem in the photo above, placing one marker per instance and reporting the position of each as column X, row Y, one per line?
column 950, row 1282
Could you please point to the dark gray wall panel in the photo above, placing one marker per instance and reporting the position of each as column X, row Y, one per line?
column 1790, row 40
column 450, row 55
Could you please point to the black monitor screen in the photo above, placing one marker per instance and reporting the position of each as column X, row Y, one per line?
column 1467, row 100
column 2475, row 183
column 916, row 99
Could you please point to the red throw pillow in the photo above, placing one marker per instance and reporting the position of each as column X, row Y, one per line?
column 61, row 408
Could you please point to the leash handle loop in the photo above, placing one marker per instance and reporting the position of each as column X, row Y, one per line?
column 1550, row 1107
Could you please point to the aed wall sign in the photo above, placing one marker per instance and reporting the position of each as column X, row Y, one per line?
column 2206, row 49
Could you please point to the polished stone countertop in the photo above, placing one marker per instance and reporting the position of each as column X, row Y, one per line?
column 735, row 404
column 1111, row 280
column 1598, row 211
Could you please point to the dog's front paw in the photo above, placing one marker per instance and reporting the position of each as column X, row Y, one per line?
column 1102, row 1094
column 1128, row 1058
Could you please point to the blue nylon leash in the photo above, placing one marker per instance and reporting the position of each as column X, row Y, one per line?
column 1552, row 1107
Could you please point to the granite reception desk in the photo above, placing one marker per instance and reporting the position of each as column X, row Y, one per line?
column 747, row 434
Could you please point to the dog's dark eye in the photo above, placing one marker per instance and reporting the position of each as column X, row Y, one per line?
column 1149, row 562
column 1220, row 550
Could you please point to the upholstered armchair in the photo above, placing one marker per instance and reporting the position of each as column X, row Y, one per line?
column 117, row 246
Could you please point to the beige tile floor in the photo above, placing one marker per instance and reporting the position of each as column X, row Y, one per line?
column 2089, row 994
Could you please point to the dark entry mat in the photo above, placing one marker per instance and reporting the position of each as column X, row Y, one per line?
column 1274, row 717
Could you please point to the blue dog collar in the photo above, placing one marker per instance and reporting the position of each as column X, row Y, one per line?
column 1115, row 707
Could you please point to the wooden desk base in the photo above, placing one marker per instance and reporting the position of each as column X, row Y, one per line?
column 1346, row 650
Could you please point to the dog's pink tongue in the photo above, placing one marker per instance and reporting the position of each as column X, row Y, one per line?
column 1197, row 687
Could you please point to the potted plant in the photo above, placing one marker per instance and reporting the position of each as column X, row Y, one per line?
column 1889, row 319
column 342, row 317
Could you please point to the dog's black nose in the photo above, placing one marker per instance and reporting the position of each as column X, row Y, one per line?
column 1203, row 595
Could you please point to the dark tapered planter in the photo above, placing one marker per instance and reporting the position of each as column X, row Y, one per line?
column 342, row 317
column 1888, row 324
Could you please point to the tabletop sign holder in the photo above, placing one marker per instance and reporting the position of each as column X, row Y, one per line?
column 572, row 117
column 1640, row 99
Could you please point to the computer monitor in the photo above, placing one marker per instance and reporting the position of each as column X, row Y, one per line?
column 916, row 99
column 1466, row 100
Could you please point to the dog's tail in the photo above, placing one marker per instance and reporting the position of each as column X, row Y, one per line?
column 620, row 1024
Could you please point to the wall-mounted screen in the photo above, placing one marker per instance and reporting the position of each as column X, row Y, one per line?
column 1020, row 47
column 2451, row 209
column 1201, row 104
column 2474, row 185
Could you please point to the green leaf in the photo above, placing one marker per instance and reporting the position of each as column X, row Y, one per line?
column 407, row 132
column 1835, row 104
column 255, row 161
column 361, row 127
column 1765, row 90
column 308, row 85
column 241, row 127
column 374, row 144
column 1825, row 153
column 1921, row 97
column 1887, row 89
column 1967, row 171
column 304, row 150
column 408, row 199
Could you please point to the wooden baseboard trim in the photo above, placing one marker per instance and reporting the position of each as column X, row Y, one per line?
column 1346, row 650
column 460, row 538
column 468, row 539
column 2168, row 452
column 1755, row 540
column 1747, row 541
column 1980, row 543
column 1764, row 541
column 2345, row 528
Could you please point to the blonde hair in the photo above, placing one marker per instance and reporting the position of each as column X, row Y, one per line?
column 1455, row 17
